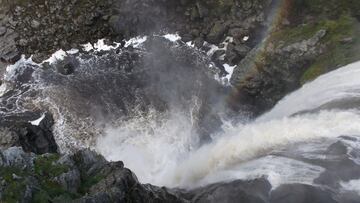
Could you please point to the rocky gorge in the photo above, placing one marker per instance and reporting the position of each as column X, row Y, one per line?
column 56, row 106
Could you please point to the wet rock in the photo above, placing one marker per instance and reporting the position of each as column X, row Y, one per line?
column 216, row 33
column 299, row 193
column 267, row 74
column 2, row 30
column 252, row 191
column 38, row 139
column 66, row 69
column 186, row 37
column 235, row 53
column 199, row 42
column 32, row 138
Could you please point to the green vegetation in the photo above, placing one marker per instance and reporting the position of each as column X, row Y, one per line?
column 88, row 182
column 343, row 47
column 45, row 166
column 14, row 187
column 338, row 18
column 46, row 169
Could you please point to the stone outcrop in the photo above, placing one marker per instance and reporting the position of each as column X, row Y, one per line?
column 269, row 72
column 37, row 138
column 81, row 177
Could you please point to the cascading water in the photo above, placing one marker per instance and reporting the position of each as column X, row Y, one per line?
column 162, row 144
column 169, row 157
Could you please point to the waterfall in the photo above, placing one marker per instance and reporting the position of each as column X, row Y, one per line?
column 170, row 158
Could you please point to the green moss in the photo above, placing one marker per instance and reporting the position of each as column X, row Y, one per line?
column 14, row 187
column 45, row 166
column 88, row 182
column 336, row 30
column 46, row 169
column 338, row 53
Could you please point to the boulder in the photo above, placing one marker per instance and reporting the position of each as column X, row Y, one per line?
column 300, row 193
column 251, row 191
column 217, row 32
column 37, row 138
column 268, row 73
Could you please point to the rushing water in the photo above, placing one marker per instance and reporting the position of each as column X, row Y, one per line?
column 167, row 153
column 285, row 145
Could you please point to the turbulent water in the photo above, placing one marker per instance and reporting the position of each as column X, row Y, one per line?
column 298, row 141
column 167, row 154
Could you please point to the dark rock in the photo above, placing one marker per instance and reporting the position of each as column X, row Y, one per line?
column 66, row 69
column 66, row 66
column 35, row 24
column 86, row 176
column 199, row 42
column 8, row 138
column 2, row 30
column 18, row 131
column 217, row 33
column 252, row 191
column 235, row 53
column 202, row 9
column 39, row 57
column 238, row 33
column 23, row 42
column 265, row 75
column 186, row 37
column 38, row 139
column 299, row 193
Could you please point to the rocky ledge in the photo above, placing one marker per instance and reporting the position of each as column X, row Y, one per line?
column 87, row 177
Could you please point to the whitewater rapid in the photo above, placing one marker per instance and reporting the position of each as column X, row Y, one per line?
column 164, row 148
column 168, row 153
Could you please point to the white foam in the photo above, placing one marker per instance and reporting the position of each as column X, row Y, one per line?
column 37, row 121
column 3, row 89
column 336, row 85
column 230, row 70
column 88, row 47
column 173, row 164
column 73, row 51
column 353, row 185
column 150, row 146
column 172, row 37
column 101, row 46
column 154, row 159
column 11, row 69
column 278, row 170
column 257, row 139
column 58, row 55
column 136, row 41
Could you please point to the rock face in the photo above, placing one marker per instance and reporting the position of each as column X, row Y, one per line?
column 252, row 191
column 81, row 177
column 268, row 73
column 46, row 26
column 51, row 25
column 37, row 138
